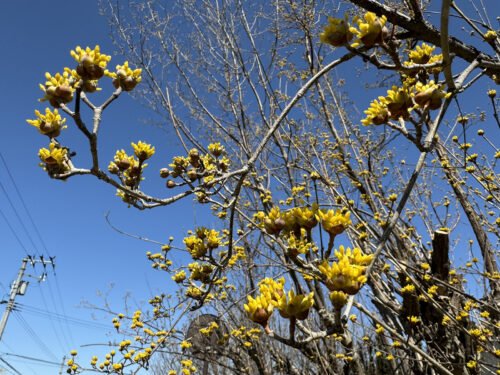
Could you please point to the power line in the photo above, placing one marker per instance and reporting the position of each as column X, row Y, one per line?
column 73, row 320
column 18, row 217
column 32, row 359
column 33, row 335
column 53, row 325
column 13, row 232
column 10, row 366
column 35, row 227
column 24, row 205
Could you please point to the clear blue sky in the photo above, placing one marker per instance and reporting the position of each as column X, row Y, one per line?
column 36, row 37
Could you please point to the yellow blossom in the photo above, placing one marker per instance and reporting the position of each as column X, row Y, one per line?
column 378, row 113
column 142, row 150
column 91, row 63
column 337, row 33
column 125, row 77
column 490, row 36
column 57, row 89
column 421, row 54
column 179, row 277
column 429, row 95
column 296, row 306
column 259, row 309
column 347, row 274
column 54, row 159
column 216, row 149
column 334, row 222
column 371, row 29
column 49, row 124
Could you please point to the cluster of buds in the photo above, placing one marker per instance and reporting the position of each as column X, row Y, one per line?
column 125, row 77
column 296, row 306
column 203, row 241
column 49, row 124
column 335, row 222
column 58, row 89
column 400, row 101
column 260, row 308
column 73, row 367
column 201, row 272
column 371, row 31
column 91, row 63
column 128, row 169
column 158, row 306
column 338, row 32
column 429, row 95
column 300, row 219
column 292, row 221
column 347, row 274
column 203, row 168
column 299, row 245
column 54, row 160
column 274, row 222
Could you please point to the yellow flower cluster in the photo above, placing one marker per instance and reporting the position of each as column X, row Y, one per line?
column 490, row 36
column 200, row 272
column 136, row 320
column 143, row 150
column 421, row 54
column 295, row 306
column 91, row 63
column 208, row 330
column 187, row 367
column 49, row 124
column 259, row 309
column 54, row 159
column 347, row 274
column 400, row 101
column 57, row 89
column 299, row 245
column 338, row 298
column 179, row 277
column 129, row 169
column 371, row 31
column 125, row 77
column 429, row 95
column 338, row 32
column 334, row 222
column 204, row 240
column 197, row 167
column 193, row 292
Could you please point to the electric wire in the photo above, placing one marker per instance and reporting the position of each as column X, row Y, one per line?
column 60, row 299
column 72, row 320
column 12, row 368
column 34, row 336
column 24, row 204
column 35, row 227
column 18, row 217
column 31, row 359
column 51, row 320
column 14, row 232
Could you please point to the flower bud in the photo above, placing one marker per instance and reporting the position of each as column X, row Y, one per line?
column 64, row 93
column 164, row 172
column 171, row 184
column 192, row 174
column 113, row 169
column 123, row 164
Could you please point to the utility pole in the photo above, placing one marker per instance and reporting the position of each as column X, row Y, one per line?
column 62, row 365
column 19, row 287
